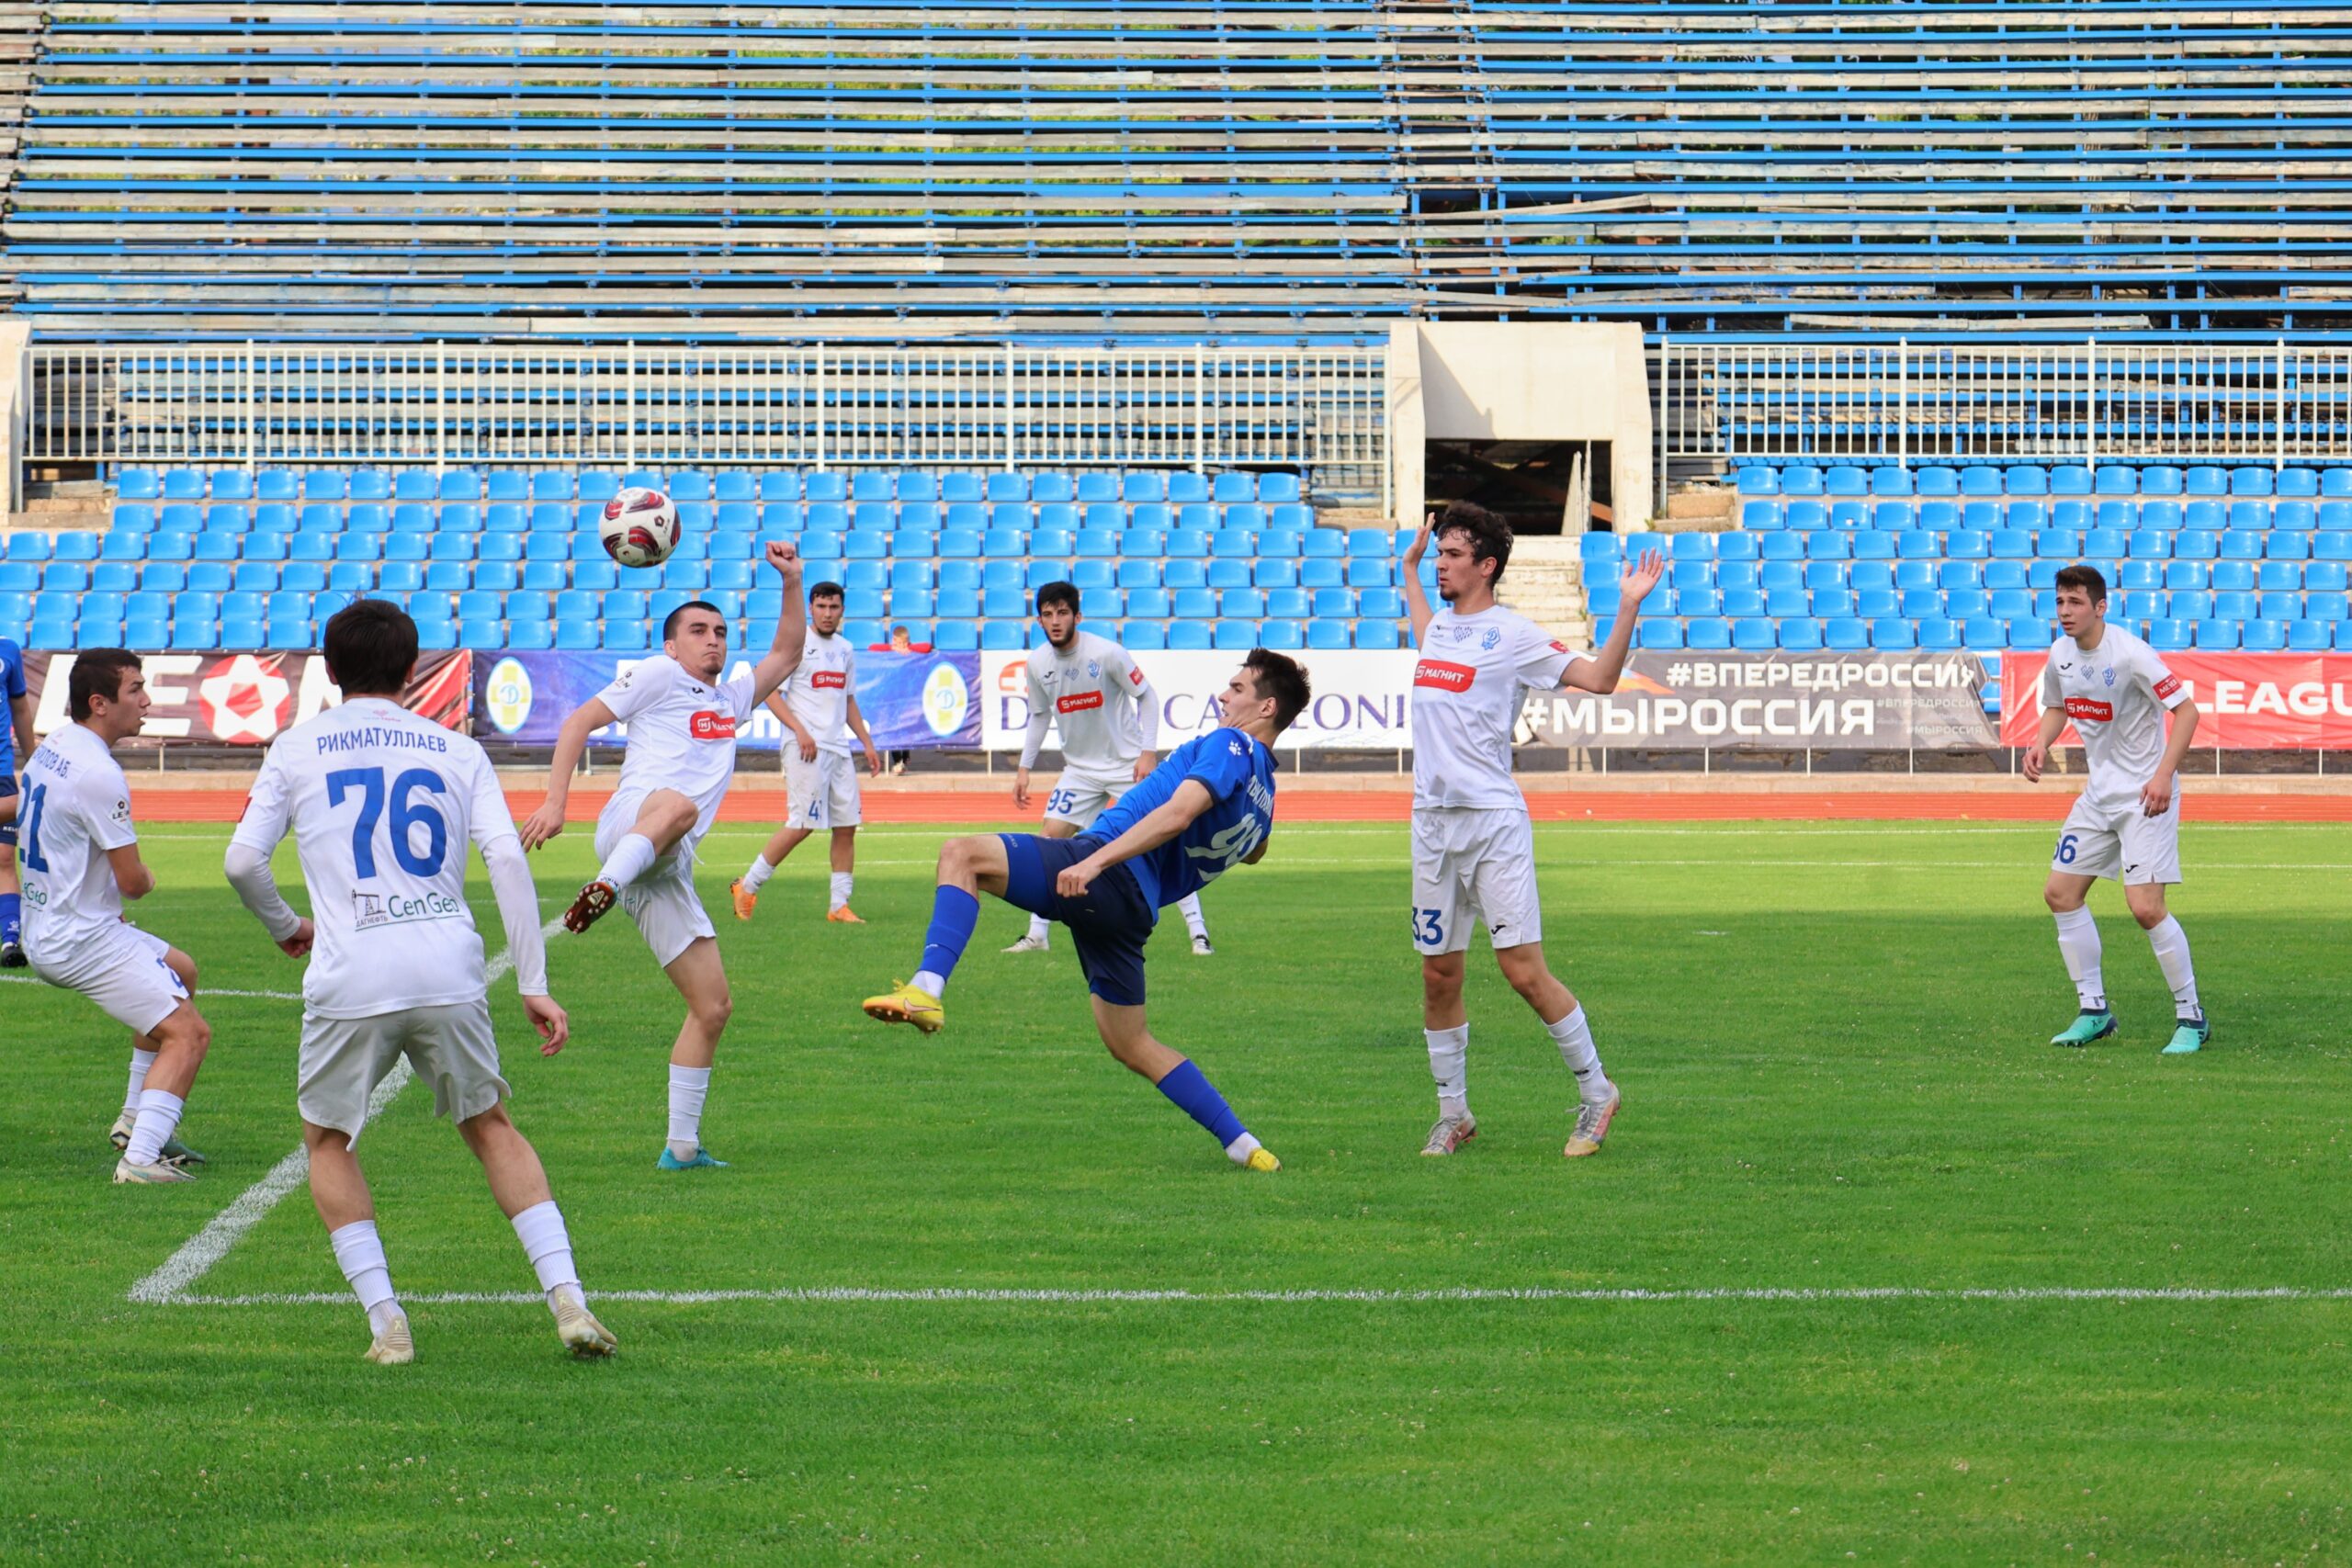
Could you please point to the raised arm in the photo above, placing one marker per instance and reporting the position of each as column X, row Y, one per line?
column 791, row 628
column 1417, row 598
column 1600, row 673
column 570, row 743
column 1191, row 798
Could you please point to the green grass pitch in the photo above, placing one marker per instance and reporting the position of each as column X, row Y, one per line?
column 1831, row 1042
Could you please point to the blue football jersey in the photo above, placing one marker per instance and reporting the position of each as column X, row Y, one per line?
column 1239, row 775
column 12, row 686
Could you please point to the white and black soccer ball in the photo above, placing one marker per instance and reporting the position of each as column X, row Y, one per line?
column 640, row 528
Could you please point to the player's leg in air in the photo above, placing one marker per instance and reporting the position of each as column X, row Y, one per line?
column 2078, row 944
column 342, row 1059
column 663, row 817
column 1108, row 927
column 144, row 1049
column 701, row 980
column 1037, row 939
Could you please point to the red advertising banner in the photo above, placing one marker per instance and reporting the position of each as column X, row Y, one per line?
column 2246, row 702
column 244, row 699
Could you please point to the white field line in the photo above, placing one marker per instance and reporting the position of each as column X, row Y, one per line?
column 207, row 1246
column 203, row 994
column 815, row 1295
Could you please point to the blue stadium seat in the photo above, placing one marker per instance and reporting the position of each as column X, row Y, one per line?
column 2205, row 480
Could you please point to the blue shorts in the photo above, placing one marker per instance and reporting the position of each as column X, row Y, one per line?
column 7, row 788
column 1108, row 927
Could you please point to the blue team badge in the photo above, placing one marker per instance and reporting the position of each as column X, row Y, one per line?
column 2111, row 677
column 1093, row 670
column 1490, row 639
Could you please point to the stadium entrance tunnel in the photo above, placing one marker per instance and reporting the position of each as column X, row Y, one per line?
column 1538, row 422
column 1538, row 487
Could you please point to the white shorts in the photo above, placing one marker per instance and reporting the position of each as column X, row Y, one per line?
column 2124, row 844
column 824, row 793
column 668, row 912
column 1474, row 864
column 1079, row 798
column 343, row 1059
column 125, row 973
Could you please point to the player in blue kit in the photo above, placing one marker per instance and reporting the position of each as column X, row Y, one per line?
column 1207, row 809
column 16, row 740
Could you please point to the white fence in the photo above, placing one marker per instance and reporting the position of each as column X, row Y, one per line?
column 2086, row 403
column 1318, row 410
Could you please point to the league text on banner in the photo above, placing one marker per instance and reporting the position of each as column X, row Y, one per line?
column 2246, row 702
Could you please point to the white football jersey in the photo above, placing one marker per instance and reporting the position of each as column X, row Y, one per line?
column 818, row 692
column 1473, row 674
column 382, row 802
column 2117, row 695
column 680, row 734
column 76, row 806
column 1096, row 696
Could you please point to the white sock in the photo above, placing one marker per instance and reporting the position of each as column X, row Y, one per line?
column 1242, row 1148
column 1038, row 926
column 359, row 1253
column 2172, row 952
column 1574, row 1036
column 688, row 1088
column 842, row 881
column 140, row 1062
column 2078, row 944
column 159, row 1112
column 540, row 1230
column 757, row 876
column 929, row 983
column 630, row 857
column 1191, row 905
column 1450, row 1064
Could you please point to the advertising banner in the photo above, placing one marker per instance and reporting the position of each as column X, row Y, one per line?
column 244, row 699
column 911, row 700
column 1362, row 697
column 1775, row 702
column 2246, row 702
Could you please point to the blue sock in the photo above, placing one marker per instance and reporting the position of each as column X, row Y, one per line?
column 1197, row 1098
column 11, row 914
column 954, row 914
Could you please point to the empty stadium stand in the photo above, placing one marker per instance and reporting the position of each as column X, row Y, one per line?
column 382, row 167
column 1938, row 558
column 199, row 559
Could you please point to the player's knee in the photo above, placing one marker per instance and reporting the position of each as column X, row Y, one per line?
column 958, row 857
column 186, row 1031
column 2061, row 899
column 712, row 1012
column 2147, row 907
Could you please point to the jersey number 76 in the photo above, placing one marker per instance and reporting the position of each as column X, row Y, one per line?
column 408, row 813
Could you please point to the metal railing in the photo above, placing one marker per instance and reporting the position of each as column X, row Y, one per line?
column 1321, row 411
column 2089, row 403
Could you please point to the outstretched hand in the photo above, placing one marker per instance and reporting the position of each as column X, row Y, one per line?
column 1641, row 574
column 1420, row 546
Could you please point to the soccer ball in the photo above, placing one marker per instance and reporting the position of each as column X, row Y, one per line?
column 640, row 528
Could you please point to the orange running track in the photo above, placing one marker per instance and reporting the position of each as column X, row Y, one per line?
column 1395, row 805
